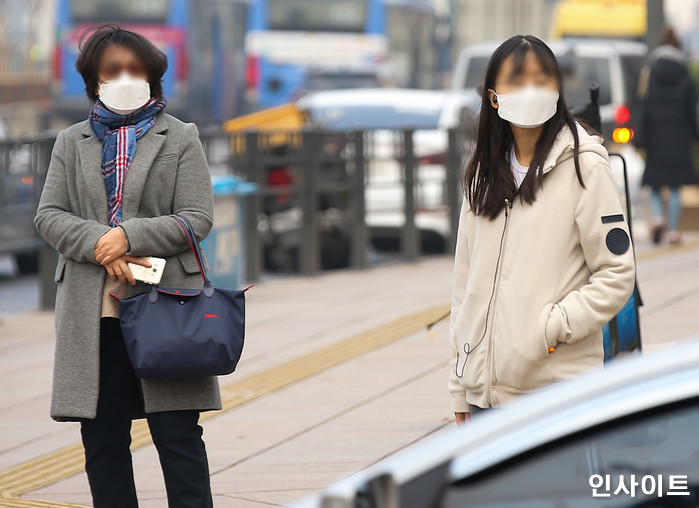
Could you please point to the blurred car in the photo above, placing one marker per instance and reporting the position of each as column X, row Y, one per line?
column 385, row 112
column 279, row 168
column 4, row 129
column 614, row 65
column 18, row 199
column 334, row 79
column 587, row 441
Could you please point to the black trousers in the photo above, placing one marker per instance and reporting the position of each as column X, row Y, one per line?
column 176, row 435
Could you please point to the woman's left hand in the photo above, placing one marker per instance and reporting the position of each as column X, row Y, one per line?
column 111, row 246
column 119, row 269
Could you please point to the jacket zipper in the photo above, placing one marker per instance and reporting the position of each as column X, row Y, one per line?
column 498, row 270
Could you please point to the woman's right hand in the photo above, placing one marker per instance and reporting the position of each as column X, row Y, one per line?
column 118, row 269
column 111, row 246
column 462, row 418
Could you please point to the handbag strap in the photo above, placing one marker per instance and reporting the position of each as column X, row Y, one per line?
column 196, row 249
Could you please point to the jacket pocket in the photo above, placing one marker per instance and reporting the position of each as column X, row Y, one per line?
column 165, row 157
column 189, row 262
column 552, row 325
column 520, row 348
column 544, row 340
column 165, row 165
column 60, row 269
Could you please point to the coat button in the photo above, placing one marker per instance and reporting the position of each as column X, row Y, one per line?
column 181, row 302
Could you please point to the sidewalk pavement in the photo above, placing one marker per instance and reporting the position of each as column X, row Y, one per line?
column 337, row 373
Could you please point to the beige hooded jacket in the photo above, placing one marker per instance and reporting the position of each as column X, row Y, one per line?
column 549, row 274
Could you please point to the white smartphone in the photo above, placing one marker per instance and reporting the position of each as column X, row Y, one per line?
column 150, row 275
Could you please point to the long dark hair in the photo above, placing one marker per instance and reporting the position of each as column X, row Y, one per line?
column 488, row 180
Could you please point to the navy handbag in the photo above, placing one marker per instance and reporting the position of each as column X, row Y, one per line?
column 175, row 333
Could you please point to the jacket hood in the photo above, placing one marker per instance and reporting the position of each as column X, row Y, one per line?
column 563, row 146
column 667, row 71
column 668, row 64
column 667, row 52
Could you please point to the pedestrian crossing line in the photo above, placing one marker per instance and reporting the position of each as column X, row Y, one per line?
column 63, row 463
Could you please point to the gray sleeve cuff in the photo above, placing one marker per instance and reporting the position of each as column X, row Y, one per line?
column 128, row 242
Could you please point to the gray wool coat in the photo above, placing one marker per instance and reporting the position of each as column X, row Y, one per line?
column 168, row 174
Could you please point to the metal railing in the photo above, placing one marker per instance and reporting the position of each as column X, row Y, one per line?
column 313, row 209
column 23, row 165
column 328, row 178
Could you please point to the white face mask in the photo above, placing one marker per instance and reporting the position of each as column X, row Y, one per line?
column 125, row 94
column 527, row 107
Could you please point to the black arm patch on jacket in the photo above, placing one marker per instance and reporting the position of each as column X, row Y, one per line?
column 606, row 219
column 618, row 241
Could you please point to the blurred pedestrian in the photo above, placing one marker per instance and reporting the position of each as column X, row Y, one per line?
column 543, row 256
column 666, row 127
column 113, row 180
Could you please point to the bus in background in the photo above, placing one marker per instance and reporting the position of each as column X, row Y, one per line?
column 203, row 40
column 605, row 19
column 288, row 40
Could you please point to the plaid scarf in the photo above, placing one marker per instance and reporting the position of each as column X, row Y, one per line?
column 119, row 134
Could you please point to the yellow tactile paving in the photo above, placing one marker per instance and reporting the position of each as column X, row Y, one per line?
column 34, row 503
column 69, row 461
column 667, row 250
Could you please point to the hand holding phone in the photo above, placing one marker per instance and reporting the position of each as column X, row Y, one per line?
column 149, row 275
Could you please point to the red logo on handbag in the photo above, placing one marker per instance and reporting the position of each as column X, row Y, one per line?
column 207, row 316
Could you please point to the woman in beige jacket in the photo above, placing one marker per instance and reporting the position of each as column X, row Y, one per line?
column 543, row 255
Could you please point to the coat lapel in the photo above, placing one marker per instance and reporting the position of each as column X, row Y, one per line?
column 147, row 149
column 90, row 153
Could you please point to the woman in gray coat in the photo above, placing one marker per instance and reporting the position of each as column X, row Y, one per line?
column 112, row 183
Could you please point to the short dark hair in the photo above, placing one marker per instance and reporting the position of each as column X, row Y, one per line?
column 103, row 36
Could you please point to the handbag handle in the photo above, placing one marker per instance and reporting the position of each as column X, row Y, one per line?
column 186, row 226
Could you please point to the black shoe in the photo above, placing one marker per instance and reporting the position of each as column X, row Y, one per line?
column 657, row 234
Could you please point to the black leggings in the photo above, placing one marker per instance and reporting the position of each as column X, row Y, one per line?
column 176, row 434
